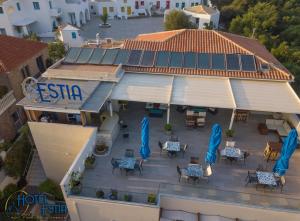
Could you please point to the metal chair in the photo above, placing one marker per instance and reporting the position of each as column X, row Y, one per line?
column 183, row 149
column 280, row 181
column 251, row 178
column 207, row 172
column 115, row 164
column 160, row 146
column 230, row 143
column 245, row 156
column 182, row 174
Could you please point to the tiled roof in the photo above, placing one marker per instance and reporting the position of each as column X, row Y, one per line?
column 15, row 51
column 201, row 9
column 207, row 41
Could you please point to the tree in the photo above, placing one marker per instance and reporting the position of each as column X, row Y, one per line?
column 104, row 18
column 32, row 36
column 258, row 22
column 209, row 26
column 56, row 50
column 177, row 20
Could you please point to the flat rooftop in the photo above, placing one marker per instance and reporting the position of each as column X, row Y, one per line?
column 159, row 174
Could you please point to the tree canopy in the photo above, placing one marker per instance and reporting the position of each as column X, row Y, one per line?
column 177, row 20
column 275, row 23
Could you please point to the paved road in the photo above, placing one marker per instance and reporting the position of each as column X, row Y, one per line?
column 122, row 29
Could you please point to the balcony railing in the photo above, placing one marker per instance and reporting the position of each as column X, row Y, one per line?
column 6, row 101
column 121, row 196
column 275, row 201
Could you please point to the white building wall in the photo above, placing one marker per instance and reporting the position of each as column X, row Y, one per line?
column 43, row 17
column 204, row 18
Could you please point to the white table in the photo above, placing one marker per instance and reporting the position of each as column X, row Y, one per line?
column 266, row 178
column 194, row 170
column 127, row 163
column 231, row 152
column 172, row 146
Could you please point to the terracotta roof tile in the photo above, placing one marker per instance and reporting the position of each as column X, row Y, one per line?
column 201, row 9
column 207, row 41
column 15, row 51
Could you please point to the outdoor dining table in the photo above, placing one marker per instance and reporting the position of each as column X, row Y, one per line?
column 266, row 178
column 127, row 163
column 172, row 146
column 232, row 153
column 194, row 171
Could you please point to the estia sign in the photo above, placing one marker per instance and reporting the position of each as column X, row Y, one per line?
column 47, row 92
column 19, row 203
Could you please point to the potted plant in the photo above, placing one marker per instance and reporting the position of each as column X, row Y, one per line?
column 100, row 194
column 128, row 197
column 89, row 162
column 75, row 182
column 151, row 198
column 168, row 129
column 229, row 133
column 113, row 195
column 101, row 149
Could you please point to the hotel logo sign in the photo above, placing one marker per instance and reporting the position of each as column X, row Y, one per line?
column 50, row 92
column 19, row 204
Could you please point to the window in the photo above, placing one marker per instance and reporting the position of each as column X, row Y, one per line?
column 123, row 9
column 197, row 21
column 50, row 4
column 73, row 35
column 36, row 5
column 177, row 5
column 18, row 6
column 25, row 71
column 111, row 9
column 158, row 4
column 40, row 64
column 192, row 4
column 125, row 1
column 92, row 7
column 196, row 3
column 1, row 10
column 182, row 5
column 2, row 31
column 142, row 3
column 167, row 4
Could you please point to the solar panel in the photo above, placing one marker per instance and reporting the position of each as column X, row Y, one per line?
column 72, row 55
column 218, row 61
column 232, row 62
column 176, row 59
column 204, row 61
column 134, row 57
column 162, row 59
column 96, row 56
column 109, row 56
column 248, row 63
column 148, row 58
column 189, row 60
column 122, row 57
column 85, row 55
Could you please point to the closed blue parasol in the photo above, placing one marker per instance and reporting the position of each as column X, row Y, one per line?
column 214, row 142
column 288, row 148
column 145, row 150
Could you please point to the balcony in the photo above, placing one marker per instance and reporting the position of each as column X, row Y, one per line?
column 6, row 101
column 55, row 12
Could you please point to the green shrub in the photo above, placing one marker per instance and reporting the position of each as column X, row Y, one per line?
column 100, row 194
column 49, row 186
column 151, row 198
column 5, row 146
column 16, row 159
column 168, row 127
column 229, row 133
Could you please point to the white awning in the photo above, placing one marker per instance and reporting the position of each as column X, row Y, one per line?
column 265, row 96
column 23, row 22
column 205, row 92
column 144, row 88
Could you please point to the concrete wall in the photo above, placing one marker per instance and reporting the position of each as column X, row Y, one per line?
column 227, row 210
column 58, row 145
column 82, row 209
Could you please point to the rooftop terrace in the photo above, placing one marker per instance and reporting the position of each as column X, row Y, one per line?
column 159, row 172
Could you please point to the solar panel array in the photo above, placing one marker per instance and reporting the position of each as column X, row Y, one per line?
column 210, row 61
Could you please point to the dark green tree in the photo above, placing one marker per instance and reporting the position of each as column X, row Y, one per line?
column 104, row 18
column 56, row 50
column 177, row 20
